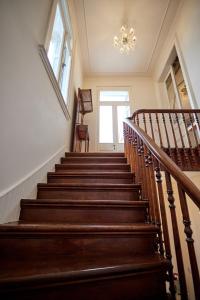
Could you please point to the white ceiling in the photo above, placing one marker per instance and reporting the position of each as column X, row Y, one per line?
column 100, row 20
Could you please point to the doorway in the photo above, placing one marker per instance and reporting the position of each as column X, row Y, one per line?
column 114, row 106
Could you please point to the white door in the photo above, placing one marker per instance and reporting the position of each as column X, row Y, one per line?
column 113, row 108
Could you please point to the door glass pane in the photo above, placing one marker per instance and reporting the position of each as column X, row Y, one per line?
column 55, row 47
column 105, row 124
column 114, row 96
column 122, row 113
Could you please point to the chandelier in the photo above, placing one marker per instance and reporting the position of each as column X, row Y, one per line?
column 126, row 40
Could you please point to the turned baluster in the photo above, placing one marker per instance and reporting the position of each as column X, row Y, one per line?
column 147, row 179
column 135, row 149
column 143, row 171
column 126, row 140
column 139, row 157
column 159, row 131
column 151, row 125
column 131, row 152
column 189, row 140
column 190, row 242
column 186, row 158
column 164, row 227
column 197, row 121
column 137, row 120
column 194, row 130
column 124, row 134
column 128, row 144
column 175, row 142
column 177, row 242
column 165, row 128
column 144, row 121
column 167, row 137
column 152, row 186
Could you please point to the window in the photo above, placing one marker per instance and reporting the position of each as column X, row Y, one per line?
column 114, row 96
column 59, row 45
column 176, row 87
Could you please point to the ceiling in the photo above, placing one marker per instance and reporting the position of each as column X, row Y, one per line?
column 100, row 20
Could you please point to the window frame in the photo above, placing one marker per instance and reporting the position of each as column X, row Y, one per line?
column 67, row 41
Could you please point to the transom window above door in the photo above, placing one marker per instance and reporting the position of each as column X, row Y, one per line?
column 114, row 96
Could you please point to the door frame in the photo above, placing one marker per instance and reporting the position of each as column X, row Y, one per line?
column 110, row 103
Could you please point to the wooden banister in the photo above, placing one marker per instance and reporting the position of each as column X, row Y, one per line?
column 147, row 160
column 141, row 111
column 176, row 131
column 168, row 164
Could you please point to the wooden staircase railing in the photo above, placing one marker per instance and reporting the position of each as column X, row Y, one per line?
column 176, row 131
column 148, row 160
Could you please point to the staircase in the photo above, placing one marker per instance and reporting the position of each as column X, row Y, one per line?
column 86, row 236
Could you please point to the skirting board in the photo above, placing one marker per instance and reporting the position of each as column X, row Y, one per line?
column 25, row 188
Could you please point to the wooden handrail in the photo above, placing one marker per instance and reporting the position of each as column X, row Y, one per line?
column 168, row 164
column 140, row 111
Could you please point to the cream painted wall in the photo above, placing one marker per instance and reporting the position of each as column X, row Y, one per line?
column 143, row 95
column 184, row 34
column 34, row 132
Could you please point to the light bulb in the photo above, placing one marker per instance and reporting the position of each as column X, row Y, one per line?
column 122, row 29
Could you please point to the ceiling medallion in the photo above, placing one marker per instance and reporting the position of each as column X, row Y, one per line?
column 126, row 40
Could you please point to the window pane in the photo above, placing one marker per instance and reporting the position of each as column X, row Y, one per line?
column 173, row 103
column 181, row 86
column 55, row 47
column 122, row 113
column 114, row 96
column 105, row 124
column 65, row 71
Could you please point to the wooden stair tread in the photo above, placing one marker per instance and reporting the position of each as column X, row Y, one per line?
column 105, row 203
column 95, row 174
column 96, row 164
column 62, row 228
column 85, row 234
column 93, row 160
column 105, row 186
column 63, row 267
column 100, row 154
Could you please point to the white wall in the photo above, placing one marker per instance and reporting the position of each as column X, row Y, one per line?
column 33, row 129
column 184, row 34
column 143, row 95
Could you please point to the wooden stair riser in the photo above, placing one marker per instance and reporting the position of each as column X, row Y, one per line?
column 67, row 178
column 112, row 244
column 93, row 167
column 84, row 237
column 94, row 154
column 145, row 285
column 93, row 160
column 78, row 214
column 87, row 194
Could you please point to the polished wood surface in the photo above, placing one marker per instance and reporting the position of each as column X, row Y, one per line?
column 144, row 150
column 174, row 130
column 86, row 236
